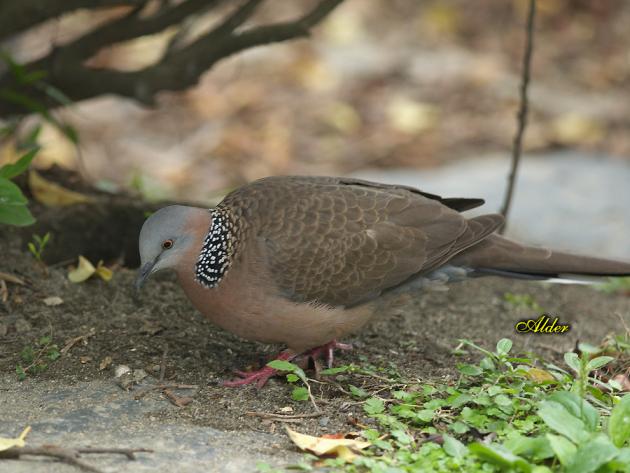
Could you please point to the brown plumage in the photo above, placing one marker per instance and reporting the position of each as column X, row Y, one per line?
column 294, row 260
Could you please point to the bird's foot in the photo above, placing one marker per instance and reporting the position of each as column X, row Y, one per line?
column 327, row 352
column 261, row 376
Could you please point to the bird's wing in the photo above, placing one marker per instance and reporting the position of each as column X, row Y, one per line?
column 341, row 242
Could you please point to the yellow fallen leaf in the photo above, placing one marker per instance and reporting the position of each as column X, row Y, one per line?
column 52, row 194
column 6, row 444
column 540, row 376
column 104, row 272
column 343, row 448
column 83, row 271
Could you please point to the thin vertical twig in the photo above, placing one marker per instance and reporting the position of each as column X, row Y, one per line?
column 521, row 116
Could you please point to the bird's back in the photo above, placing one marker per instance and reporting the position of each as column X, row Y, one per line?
column 340, row 241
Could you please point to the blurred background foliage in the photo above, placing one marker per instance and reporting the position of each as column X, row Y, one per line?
column 381, row 83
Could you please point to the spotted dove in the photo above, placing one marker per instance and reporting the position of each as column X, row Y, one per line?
column 295, row 260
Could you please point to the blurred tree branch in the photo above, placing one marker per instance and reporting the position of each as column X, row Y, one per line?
column 521, row 116
column 19, row 15
column 177, row 69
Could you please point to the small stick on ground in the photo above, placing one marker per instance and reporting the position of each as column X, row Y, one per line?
column 73, row 341
column 283, row 418
column 8, row 277
column 4, row 291
column 163, row 365
column 69, row 455
column 179, row 401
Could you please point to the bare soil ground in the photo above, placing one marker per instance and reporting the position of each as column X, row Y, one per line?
column 415, row 335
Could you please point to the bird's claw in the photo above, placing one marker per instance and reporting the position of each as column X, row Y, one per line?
column 260, row 377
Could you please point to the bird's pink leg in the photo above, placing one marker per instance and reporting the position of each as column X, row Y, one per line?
column 327, row 351
column 261, row 376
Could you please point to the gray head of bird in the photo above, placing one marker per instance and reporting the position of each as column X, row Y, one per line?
column 165, row 239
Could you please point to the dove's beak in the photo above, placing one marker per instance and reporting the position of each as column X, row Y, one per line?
column 143, row 274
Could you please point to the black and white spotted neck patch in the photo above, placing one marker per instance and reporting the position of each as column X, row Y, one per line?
column 216, row 254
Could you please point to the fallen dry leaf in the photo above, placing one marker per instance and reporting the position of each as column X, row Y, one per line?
column 52, row 194
column 11, row 278
column 104, row 272
column 342, row 447
column 19, row 442
column 53, row 301
column 85, row 270
column 540, row 376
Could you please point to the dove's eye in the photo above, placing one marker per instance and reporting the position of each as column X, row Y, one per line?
column 167, row 244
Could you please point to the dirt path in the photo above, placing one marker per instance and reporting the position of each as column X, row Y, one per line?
column 75, row 402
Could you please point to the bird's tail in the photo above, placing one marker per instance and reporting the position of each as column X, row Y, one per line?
column 503, row 257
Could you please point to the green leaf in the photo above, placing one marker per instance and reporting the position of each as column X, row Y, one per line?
column 577, row 407
column 282, row 365
column 358, row 392
column 27, row 354
column 504, row 346
column 619, row 423
column 536, row 448
column 454, row 447
column 469, row 370
column 588, row 348
column 592, row 455
column 459, row 427
column 374, row 406
column 54, row 354
column 337, row 370
column 21, row 374
column 502, row 400
column 9, row 171
column 598, row 362
column 621, row 462
column 292, row 378
column 563, row 448
column 401, row 436
column 18, row 215
column 556, row 416
column 10, row 194
column 499, row 456
column 57, row 95
column 573, row 361
column 299, row 394
column 425, row 415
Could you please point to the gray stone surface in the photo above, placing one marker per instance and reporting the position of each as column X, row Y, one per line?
column 564, row 200
column 101, row 414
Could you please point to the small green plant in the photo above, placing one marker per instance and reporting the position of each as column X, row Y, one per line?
column 522, row 300
column 13, row 204
column 35, row 359
column 615, row 286
column 295, row 374
column 505, row 412
column 38, row 245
